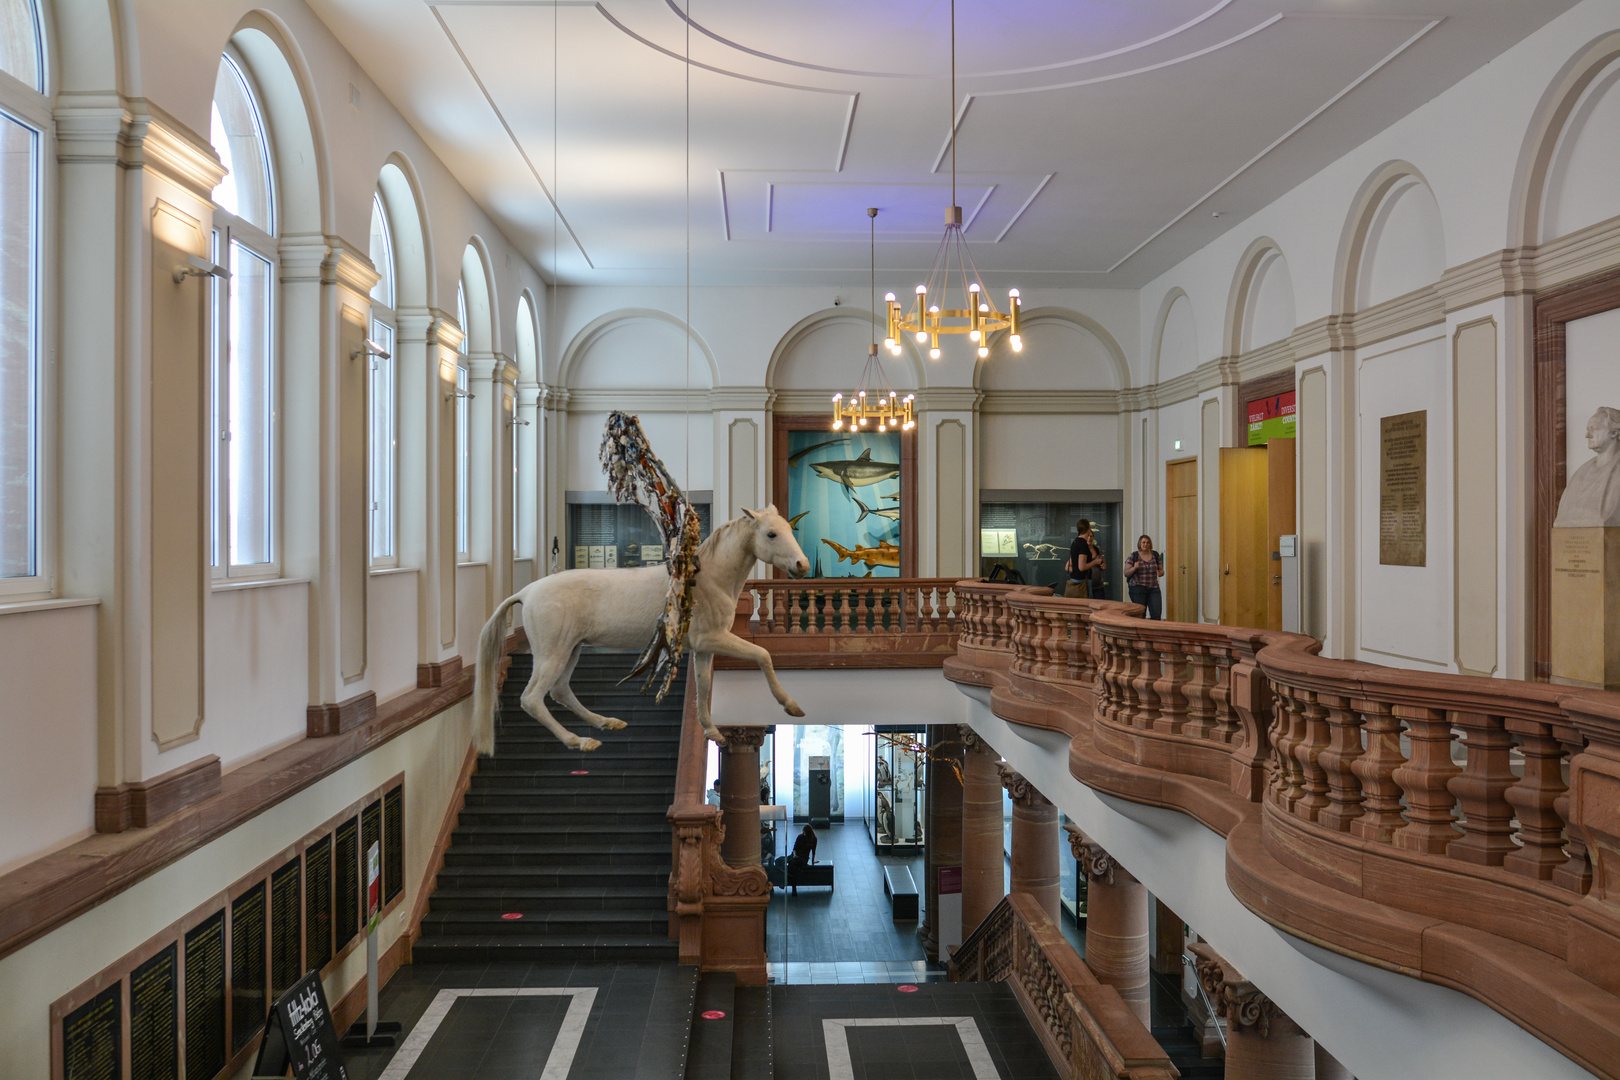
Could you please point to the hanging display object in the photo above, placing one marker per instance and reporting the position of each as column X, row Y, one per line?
column 977, row 317
column 873, row 399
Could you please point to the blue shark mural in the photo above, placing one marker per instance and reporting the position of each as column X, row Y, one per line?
column 844, row 493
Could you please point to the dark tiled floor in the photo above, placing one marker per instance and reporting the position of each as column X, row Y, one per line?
column 922, row 1052
column 637, row 1028
column 852, row 922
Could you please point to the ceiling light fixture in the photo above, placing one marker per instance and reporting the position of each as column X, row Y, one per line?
column 874, row 398
column 977, row 317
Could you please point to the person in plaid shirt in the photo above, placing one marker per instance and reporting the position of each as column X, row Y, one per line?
column 1142, row 569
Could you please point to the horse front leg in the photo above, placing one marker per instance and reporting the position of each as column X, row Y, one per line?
column 705, row 687
column 725, row 643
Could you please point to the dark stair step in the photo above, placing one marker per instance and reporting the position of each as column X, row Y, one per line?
column 620, row 898
column 559, row 877
column 709, row 1055
column 527, row 856
column 521, row 798
column 651, row 816
column 554, row 948
column 543, row 923
column 752, row 1040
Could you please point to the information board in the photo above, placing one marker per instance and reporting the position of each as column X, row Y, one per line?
column 286, row 928
column 1271, row 418
column 393, row 843
column 318, row 904
column 299, row 1034
column 205, row 996
column 248, row 974
column 346, row 883
column 154, row 1017
column 1403, row 489
column 92, row 1042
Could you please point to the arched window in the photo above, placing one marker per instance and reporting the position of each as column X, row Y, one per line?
column 463, row 436
column 528, row 365
column 384, row 394
column 244, row 345
column 24, row 126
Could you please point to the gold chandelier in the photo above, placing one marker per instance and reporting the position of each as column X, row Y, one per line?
column 977, row 317
column 873, row 398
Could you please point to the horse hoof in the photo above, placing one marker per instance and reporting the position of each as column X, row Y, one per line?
column 792, row 709
column 588, row 744
column 612, row 724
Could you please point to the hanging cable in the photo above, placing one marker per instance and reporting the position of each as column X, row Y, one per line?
column 686, row 401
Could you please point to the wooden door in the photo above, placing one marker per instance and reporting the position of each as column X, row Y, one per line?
column 1245, row 520
column 1181, row 541
column 1279, row 521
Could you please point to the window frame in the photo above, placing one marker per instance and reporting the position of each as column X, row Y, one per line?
column 384, row 314
column 227, row 229
column 463, row 433
column 32, row 109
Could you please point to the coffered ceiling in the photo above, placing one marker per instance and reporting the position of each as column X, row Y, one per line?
column 1097, row 140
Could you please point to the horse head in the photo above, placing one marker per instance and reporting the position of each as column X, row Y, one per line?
column 773, row 542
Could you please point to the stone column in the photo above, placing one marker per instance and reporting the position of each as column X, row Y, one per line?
column 942, row 842
column 1328, row 1067
column 1116, row 924
column 983, row 865
column 1262, row 1043
column 739, row 794
column 1034, row 843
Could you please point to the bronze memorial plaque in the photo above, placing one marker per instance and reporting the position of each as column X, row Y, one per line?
column 1403, row 489
column 154, row 1017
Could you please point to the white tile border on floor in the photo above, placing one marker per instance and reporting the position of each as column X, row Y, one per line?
column 561, row 1058
column 840, row 1067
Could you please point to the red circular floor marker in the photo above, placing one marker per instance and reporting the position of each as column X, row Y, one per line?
column 580, row 772
column 907, row 988
column 513, row 915
column 714, row 1014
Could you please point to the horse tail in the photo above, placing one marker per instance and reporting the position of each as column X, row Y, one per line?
column 490, row 640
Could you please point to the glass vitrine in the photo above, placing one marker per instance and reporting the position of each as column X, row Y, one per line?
column 895, row 798
column 1033, row 538
column 605, row 534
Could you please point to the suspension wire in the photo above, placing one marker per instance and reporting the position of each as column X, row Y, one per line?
column 556, row 278
column 687, row 401
column 953, row 102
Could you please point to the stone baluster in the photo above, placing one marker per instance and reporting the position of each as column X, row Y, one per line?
column 1308, row 751
column 983, row 868
column 1535, row 799
column 795, row 612
column 1034, row 847
column 1112, row 662
column 1287, row 781
column 779, row 611
column 1228, row 725
column 1144, row 677
column 1262, row 1043
column 1576, row 873
column 1425, row 778
column 843, row 608
column 1020, row 642
column 909, row 598
column 739, row 794
column 1480, row 790
column 1201, row 675
column 1375, row 768
column 1116, row 923
column 1338, row 759
column 1170, row 687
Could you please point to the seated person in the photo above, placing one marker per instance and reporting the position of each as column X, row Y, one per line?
column 804, row 848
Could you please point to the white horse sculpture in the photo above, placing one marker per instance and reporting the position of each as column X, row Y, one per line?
column 618, row 609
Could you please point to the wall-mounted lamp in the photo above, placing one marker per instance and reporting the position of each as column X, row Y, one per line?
column 517, row 421
column 459, row 392
column 370, row 348
column 197, row 266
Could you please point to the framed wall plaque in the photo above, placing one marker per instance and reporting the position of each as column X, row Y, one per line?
column 1403, row 466
column 346, row 883
column 205, row 997
column 92, row 1038
column 154, row 1017
column 286, row 928
column 249, row 975
column 318, row 903
column 393, row 843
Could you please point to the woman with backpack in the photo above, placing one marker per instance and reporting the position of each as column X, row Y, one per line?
column 1143, row 568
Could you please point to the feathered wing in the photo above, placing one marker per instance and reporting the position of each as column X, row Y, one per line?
column 635, row 474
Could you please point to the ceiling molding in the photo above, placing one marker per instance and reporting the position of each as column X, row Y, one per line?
column 1076, row 402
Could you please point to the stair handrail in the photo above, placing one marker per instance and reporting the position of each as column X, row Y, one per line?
column 1086, row 1027
column 1214, row 1014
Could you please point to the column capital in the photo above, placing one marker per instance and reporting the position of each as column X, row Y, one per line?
column 974, row 741
column 1237, row 999
column 1094, row 861
column 751, row 737
column 1019, row 789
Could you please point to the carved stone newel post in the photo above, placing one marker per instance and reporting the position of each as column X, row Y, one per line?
column 739, row 794
column 1262, row 1043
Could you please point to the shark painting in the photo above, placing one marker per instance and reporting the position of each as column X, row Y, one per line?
column 885, row 554
column 793, row 460
column 890, row 512
column 861, row 472
column 793, row 522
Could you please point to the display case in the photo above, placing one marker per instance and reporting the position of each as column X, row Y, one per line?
column 603, row 533
column 1031, row 535
column 894, row 801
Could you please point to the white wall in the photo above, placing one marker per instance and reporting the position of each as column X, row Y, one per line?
column 1049, row 451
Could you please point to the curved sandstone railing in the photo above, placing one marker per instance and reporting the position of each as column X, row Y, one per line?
column 716, row 912
column 1463, row 830
column 1086, row 1026
column 850, row 622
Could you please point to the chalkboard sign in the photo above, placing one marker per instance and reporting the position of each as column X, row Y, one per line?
column 346, row 883
column 286, row 928
column 393, row 843
column 318, row 904
column 154, row 1017
column 248, row 974
column 205, row 997
column 300, row 1035
column 91, row 1042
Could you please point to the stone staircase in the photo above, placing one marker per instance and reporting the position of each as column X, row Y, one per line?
column 736, row 1045
column 559, row 855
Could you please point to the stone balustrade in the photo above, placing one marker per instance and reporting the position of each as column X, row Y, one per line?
column 851, row 622
column 1463, row 830
column 1088, row 1029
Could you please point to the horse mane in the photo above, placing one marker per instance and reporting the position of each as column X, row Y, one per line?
column 722, row 535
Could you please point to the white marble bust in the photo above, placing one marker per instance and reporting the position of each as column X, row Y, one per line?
column 1592, row 495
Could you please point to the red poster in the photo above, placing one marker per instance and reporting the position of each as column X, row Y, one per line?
column 1271, row 418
